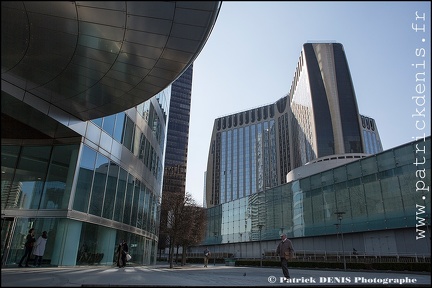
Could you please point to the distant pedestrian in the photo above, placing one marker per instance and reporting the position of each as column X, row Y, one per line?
column 124, row 251
column 206, row 256
column 285, row 251
column 39, row 248
column 119, row 254
column 28, row 247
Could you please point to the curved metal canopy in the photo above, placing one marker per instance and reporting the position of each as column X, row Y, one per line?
column 96, row 58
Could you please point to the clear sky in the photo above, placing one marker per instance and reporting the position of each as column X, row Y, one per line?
column 251, row 55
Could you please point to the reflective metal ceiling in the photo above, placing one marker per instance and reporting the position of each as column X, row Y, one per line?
column 97, row 58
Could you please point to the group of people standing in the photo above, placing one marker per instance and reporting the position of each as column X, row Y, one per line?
column 34, row 246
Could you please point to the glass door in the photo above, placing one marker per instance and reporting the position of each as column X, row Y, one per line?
column 7, row 231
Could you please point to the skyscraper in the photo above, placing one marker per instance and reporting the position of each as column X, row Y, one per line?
column 178, row 134
column 324, row 118
column 298, row 165
column 254, row 150
column 176, row 150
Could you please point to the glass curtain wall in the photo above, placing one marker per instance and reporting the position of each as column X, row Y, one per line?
column 376, row 193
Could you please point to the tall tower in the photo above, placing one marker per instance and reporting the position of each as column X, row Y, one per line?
column 254, row 150
column 324, row 115
column 178, row 134
column 176, row 150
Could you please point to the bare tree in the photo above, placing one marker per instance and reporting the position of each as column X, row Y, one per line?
column 194, row 229
column 184, row 224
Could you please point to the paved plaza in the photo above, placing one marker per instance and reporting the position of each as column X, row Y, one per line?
column 198, row 276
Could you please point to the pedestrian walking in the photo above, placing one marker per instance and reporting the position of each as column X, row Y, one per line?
column 39, row 248
column 285, row 251
column 124, row 251
column 119, row 254
column 28, row 247
column 206, row 256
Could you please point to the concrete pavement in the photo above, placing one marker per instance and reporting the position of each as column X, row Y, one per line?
column 196, row 275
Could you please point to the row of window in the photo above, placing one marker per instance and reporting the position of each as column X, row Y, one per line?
column 41, row 177
column 372, row 145
column 106, row 190
column 257, row 114
column 37, row 177
column 124, row 130
column 376, row 193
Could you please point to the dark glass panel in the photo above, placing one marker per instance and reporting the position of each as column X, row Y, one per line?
column 85, row 179
column 98, row 189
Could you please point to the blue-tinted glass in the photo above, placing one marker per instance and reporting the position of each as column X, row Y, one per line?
column 110, row 193
column 30, row 175
column 97, row 121
column 135, row 203
column 99, row 183
column 128, row 200
column 119, row 125
column 85, row 179
column 120, row 195
column 108, row 124
column 59, row 179
column 129, row 134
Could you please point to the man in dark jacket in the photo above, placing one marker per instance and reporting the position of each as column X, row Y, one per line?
column 206, row 256
column 125, row 250
column 28, row 247
column 285, row 251
column 120, row 254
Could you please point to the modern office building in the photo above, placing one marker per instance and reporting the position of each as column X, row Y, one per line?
column 254, row 150
column 176, row 151
column 178, row 134
column 85, row 103
column 290, row 166
column 324, row 118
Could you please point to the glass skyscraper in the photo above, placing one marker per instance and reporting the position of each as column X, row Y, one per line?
column 290, row 166
column 176, row 150
column 254, row 150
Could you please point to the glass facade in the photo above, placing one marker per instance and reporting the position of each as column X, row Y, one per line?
column 82, row 155
column 175, row 161
column 37, row 176
column 370, row 136
column 176, row 151
column 247, row 161
column 380, row 192
column 254, row 150
column 88, row 194
column 323, row 80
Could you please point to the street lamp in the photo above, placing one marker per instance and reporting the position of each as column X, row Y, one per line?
column 214, row 256
column 339, row 215
column 260, row 228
